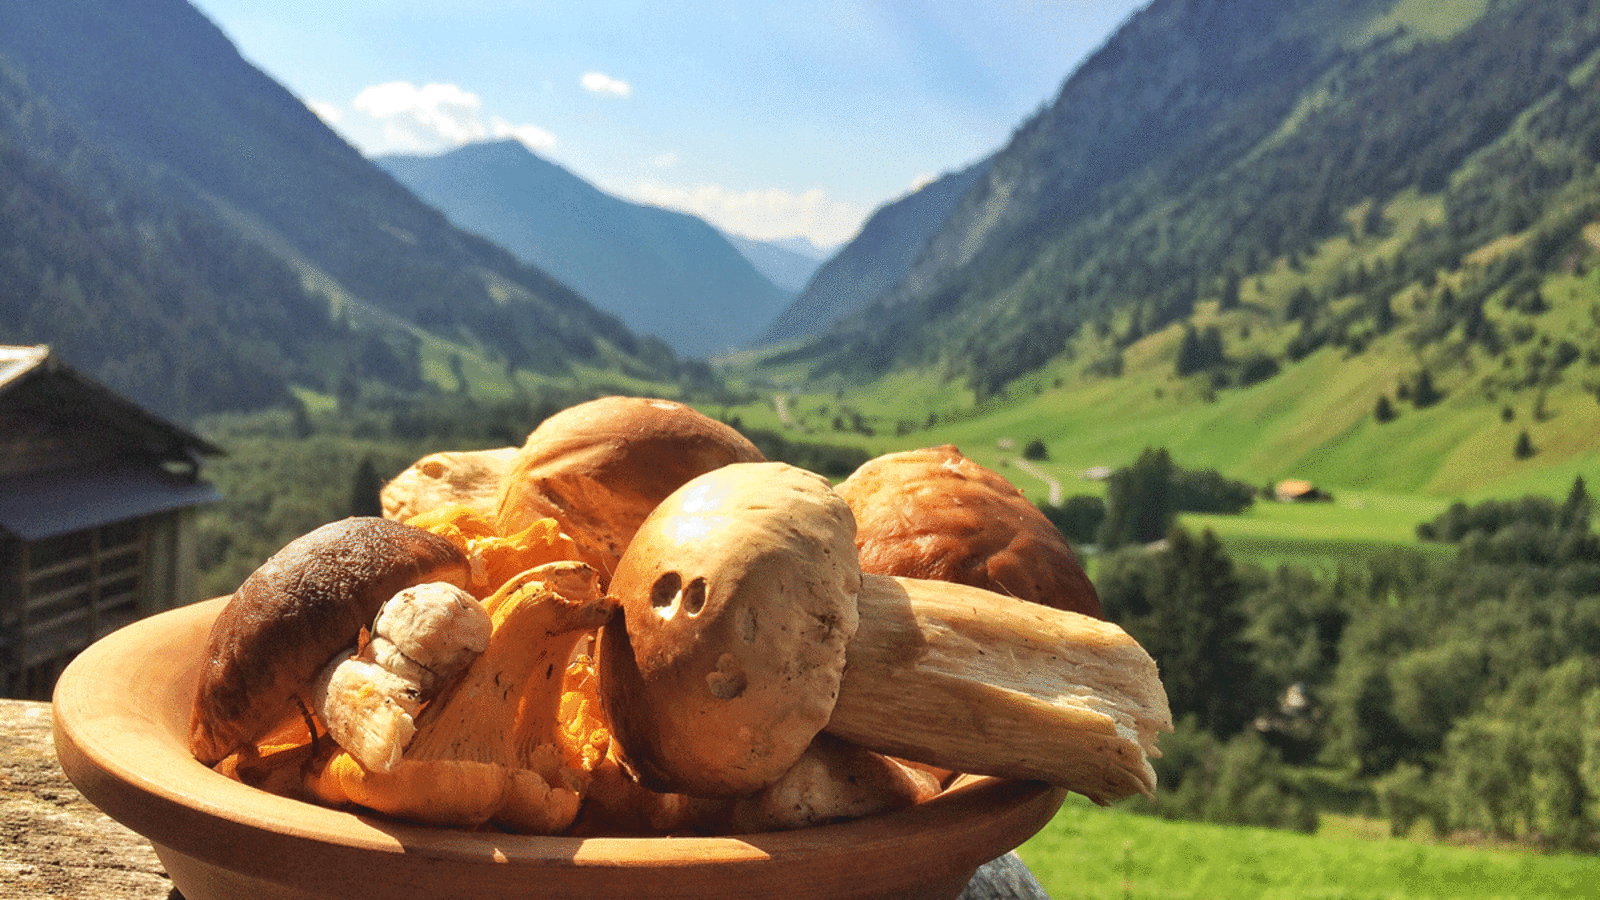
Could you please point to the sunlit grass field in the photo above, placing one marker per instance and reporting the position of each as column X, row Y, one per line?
column 1324, row 535
column 1108, row 854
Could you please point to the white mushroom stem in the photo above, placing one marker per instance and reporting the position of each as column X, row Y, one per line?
column 974, row 681
column 423, row 637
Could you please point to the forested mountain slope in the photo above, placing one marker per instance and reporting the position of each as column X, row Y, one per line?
column 885, row 249
column 182, row 227
column 1209, row 144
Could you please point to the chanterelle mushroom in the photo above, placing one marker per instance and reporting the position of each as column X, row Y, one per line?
column 739, row 598
column 488, row 747
column 943, row 674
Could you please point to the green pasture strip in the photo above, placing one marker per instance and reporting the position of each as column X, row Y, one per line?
column 1087, row 853
column 1351, row 528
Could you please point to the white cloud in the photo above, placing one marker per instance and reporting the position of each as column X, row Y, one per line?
column 601, row 83
column 439, row 117
column 327, row 112
column 762, row 214
column 668, row 160
column 534, row 137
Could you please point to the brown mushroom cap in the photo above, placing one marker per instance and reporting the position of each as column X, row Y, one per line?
column 738, row 600
column 937, row 515
column 600, row 467
column 302, row 606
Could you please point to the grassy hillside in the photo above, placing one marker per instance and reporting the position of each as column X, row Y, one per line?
column 1499, row 365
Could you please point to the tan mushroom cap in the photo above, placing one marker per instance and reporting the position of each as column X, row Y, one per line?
column 600, row 467
column 738, row 599
column 468, row 477
column 937, row 515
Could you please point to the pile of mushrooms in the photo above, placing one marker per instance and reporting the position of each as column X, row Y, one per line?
column 699, row 648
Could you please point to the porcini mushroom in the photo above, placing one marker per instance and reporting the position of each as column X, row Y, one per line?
column 943, row 674
column 738, row 600
column 305, row 604
column 833, row 780
column 468, row 477
column 598, row 468
column 936, row 514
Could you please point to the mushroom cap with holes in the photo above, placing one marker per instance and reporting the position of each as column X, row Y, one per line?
column 738, row 597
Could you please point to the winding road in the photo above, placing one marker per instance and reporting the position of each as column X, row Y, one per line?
column 1052, row 483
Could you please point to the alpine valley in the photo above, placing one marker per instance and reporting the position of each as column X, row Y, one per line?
column 1354, row 241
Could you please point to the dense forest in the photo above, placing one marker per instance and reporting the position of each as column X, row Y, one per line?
column 167, row 267
column 1460, row 691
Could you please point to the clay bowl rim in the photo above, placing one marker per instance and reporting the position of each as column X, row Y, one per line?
column 121, row 720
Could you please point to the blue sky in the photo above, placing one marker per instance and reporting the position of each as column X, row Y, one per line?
column 769, row 119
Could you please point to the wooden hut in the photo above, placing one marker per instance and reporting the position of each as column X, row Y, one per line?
column 97, row 505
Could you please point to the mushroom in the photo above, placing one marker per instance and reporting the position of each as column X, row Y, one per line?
column 738, row 600
column 935, row 514
column 468, row 477
column 305, row 604
column 598, row 468
column 423, row 637
column 489, row 746
column 833, row 780
column 496, row 558
column 723, row 665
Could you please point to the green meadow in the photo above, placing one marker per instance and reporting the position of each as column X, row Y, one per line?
column 1088, row 853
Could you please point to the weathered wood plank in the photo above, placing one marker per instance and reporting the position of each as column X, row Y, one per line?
column 54, row 843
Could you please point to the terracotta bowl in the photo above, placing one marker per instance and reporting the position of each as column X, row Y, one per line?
column 121, row 720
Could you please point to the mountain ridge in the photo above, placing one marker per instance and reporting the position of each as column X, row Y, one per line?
column 1404, row 192
column 145, row 120
column 663, row 272
column 885, row 249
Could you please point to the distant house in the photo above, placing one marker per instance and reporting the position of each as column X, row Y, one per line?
column 1294, row 490
column 97, row 505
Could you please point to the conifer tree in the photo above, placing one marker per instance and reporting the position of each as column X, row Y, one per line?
column 365, row 487
column 1139, row 501
column 1579, row 506
column 1524, row 447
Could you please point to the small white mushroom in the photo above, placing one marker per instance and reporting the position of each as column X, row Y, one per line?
column 422, row 638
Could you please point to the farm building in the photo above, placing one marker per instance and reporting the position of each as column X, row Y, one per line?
column 1295, row 490
column 97, row 505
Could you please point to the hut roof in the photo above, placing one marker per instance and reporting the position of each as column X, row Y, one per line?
column 74, row 454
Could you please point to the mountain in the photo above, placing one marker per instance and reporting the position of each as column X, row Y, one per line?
column 182, row 228
column 664, row 273
column 875, row 260
column 1410, row 182
column 787, row 263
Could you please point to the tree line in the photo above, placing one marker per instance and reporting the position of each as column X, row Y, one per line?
column 1461, row 691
